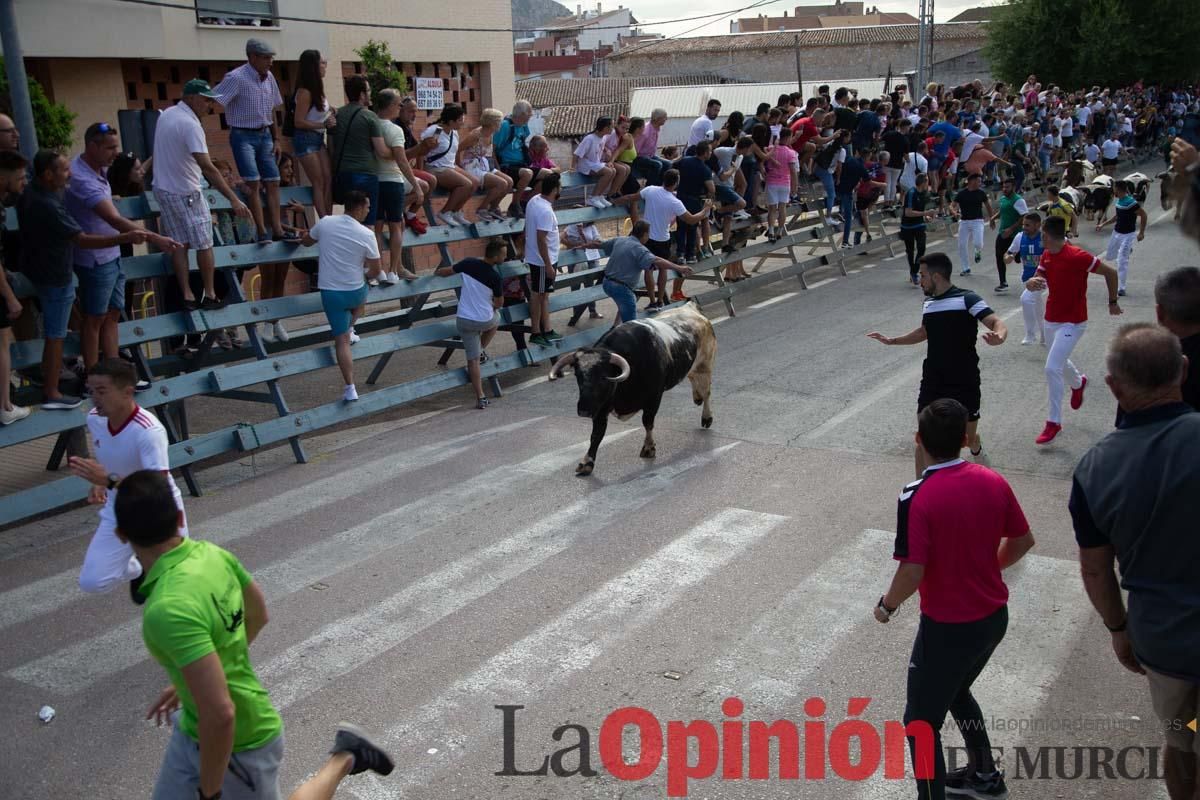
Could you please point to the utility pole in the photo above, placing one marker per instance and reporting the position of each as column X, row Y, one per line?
column 924, row 46
column 18, row 83
column 799, row 74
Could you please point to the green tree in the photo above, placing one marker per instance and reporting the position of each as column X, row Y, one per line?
column 379, row 67
column 1076, row 43
column 54, row 122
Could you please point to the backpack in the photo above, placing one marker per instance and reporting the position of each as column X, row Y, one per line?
column 827, row 154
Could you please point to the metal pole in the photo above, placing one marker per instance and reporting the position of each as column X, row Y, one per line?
column 18, row 86
column 799, row 74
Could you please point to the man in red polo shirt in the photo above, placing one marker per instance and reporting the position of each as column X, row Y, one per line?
column 1064, row 268
column 957, row 527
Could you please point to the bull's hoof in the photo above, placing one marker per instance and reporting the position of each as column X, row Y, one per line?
column 706, row 422
column 584, row 468
column 697, row 399
column 648, row 451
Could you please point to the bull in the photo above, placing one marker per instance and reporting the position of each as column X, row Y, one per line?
column 1141, row 185
column 632, row 365
column 1172, row 192
column 1100, row 197
column 1079, row 172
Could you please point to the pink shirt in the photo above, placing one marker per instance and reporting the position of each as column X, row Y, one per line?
column 778, row 168
column 952, row 521
column 542, row 163
column 646, row 143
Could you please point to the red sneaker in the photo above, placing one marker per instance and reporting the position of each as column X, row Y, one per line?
column 416, row 225
column 1048, row 433
column 677, row 297
column 1077, row 394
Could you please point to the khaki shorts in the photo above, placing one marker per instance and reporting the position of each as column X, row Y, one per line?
column 1176, row 702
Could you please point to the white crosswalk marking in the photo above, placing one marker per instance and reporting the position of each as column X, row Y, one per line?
column 77, row 666
column 773, row 300
column 56, row 591
column 601, row 620
column 353, row 641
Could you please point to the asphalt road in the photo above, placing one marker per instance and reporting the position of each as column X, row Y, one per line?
column 422, row 571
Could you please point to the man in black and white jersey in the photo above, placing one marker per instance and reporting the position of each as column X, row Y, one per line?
column 949, row 323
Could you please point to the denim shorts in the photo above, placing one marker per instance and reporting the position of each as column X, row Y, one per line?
column 101, row 288
column 252, row 774
column 306, row 142
column 338, row 306
column 391, row 201
column 366, row 182
column 726, row 195
column 624, row 297
column 56, row 304
column 254, row 154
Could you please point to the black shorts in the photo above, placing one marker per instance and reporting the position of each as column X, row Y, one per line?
column 539, row 282
column 1110, row 162
column 5, row 323
column 969, row 397
column 513, row 171
column 660, row 249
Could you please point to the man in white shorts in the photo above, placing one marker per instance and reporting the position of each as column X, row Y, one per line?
column 125, row 439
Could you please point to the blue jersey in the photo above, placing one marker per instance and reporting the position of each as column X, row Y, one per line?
column 1030, row 250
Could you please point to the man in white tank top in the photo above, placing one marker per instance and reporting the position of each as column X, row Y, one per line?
column 124, row 439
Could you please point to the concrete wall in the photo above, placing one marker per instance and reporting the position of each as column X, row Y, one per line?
column 92, row 87
column 866, row 61
column 605, row 31
column 963, row 68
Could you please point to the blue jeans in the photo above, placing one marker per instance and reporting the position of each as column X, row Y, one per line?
column 101, row 288
column 846, row 204
column 306, row 142
column 651, row 169
column 56, row 304
column 366, row 182
column 687, row 236
column 254, row 154
column 827, row 181
column 624, row 297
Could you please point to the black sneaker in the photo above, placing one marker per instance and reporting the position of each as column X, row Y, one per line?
column 367, row 755
column 134, row 586
column 966, row 782
column 211, row 304
column 484, row 357
column 1002, row 288
column 61, row 403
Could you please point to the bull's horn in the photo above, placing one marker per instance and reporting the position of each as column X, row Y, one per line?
column 562, row 364
column 622, row 363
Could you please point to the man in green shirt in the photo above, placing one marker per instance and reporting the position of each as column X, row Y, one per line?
column 1012, row 210
column 201, row 613
column 354, row 144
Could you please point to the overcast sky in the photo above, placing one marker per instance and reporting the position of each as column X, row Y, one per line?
column 650, row 10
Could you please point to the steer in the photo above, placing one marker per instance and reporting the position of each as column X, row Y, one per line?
column 631, row 366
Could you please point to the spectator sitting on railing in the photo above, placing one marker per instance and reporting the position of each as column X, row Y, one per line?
column 49, row 234
column 345, row 247
column 474, row 157
column 648, row 164
column 620, row 144
column 591, row 160
column 514, row 154
column 477, row 319
column 180, row 159
column 89, row 200
column 396, row 177
column 12, row 182
column 539, row 156
column 355, row 144
column 415, row 148
column 313, row 115
column 442, row 161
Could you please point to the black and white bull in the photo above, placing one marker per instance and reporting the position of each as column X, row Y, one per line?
column 1141, row 185
column 630, row 367
column 1100, row 195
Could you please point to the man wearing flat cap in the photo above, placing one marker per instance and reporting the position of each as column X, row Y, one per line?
column 250, row 96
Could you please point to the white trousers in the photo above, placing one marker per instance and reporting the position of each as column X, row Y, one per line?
column 1033, row 311
column 1120, row 247
column 969, row 230
column 892, row 175
column 109, row 561
column 1062, row 338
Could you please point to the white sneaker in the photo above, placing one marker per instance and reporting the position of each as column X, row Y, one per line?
column 607, row 203
column 1028, row 340
column 740, row 215
column 281, row 332
column 393, row 277
column 597, row 203
column 462, row 220
column 267, row 332
column 350, row 395
column 447, row 218
column 17, row 413
column 354, row 337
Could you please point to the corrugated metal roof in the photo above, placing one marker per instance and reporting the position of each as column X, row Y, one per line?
column 568, row 121
column 812, row 37
column 594, row 91
column 690, row 101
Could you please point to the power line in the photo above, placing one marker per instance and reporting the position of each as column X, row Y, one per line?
column 224, row 12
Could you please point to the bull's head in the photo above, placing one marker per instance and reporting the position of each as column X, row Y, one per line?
column 597, row 372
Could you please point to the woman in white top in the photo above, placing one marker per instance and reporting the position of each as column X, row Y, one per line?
column 474, row 157
column 313, row 117
column 590, row 159
column 442, row 160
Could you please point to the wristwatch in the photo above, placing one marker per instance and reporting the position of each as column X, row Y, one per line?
column 113, row 480
column 889, row 612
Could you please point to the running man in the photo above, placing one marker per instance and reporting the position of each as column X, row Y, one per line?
column 1012, row 207
column 968, row 205
column 1064, row 270
column 202, row 611
column 951, row 367
column 964, row 602
column 1056, row 206
column 125, row 439
column 1128, row 216
column 1026, row 250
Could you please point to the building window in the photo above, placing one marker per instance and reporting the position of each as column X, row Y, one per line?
column 241, row 13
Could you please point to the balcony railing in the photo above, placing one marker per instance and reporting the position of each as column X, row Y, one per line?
column 241, row 13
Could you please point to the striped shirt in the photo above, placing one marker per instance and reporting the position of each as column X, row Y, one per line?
column 249, row 99
column 951, row 323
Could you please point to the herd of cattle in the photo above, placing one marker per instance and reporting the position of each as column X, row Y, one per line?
column 1087, row 189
